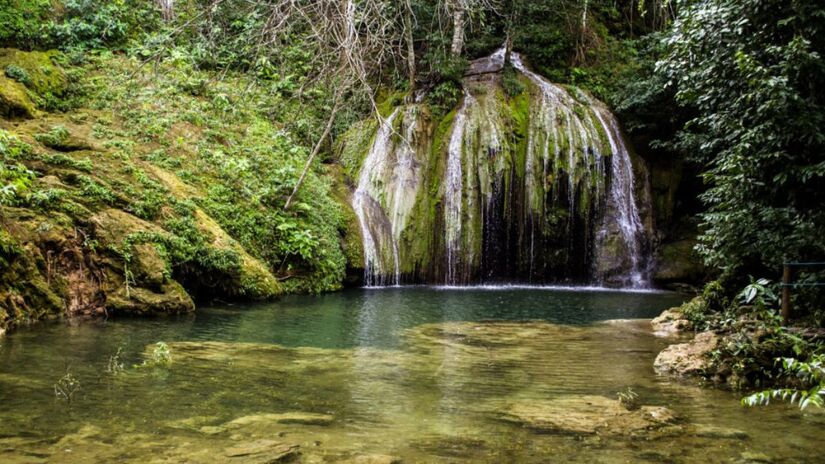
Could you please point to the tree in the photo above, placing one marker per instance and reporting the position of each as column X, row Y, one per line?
column 754, row 72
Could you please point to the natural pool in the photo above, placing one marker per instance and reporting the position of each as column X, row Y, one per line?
column 416, row 374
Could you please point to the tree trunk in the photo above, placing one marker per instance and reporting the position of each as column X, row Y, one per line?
column 458, row 29
column 408, row 37
column 315, row 150
column 167, row 9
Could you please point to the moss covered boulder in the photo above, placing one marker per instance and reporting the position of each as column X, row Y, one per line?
column 37, row 71
column 14, row 102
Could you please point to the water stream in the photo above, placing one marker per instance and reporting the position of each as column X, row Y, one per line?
column 424, row 374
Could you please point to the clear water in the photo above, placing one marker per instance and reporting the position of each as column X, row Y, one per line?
column 423, row 374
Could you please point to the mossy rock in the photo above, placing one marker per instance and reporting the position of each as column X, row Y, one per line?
column 254, row 278
column 678, row 262
column 25, row 293
column 36, row 70
column 14, row 102
column 170, row 298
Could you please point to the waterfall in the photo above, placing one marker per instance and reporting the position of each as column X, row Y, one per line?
column 453, row 189
column 537, row 187
column 386, row 192
column 622, row 183
column 624, row 199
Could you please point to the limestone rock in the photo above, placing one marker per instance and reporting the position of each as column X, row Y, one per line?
column 171, row 299
column 42, row 76
column 670, row 322
column 686, row 359
column 262, row 451
column 712, row 431
column 303, row 418
column 374, row 459
column 586, row 415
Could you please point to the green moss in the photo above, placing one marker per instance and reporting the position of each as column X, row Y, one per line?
column 14, row 101
column 354, row 145
column 45, row 80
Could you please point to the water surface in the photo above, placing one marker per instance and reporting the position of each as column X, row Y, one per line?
column 423, row 374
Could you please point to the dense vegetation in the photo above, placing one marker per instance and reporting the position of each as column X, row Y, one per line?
column 228, row 99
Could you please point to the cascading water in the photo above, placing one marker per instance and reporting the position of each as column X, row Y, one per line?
column 453, row 189
column 536, row 187
column 387, row 186
column 555, row 99
column 624, row 199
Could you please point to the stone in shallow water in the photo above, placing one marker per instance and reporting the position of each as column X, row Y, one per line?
column 684, row 359
column 671, row 322
column 262, row 451
column 754, row 457
column 583, row 415
column 712, row 431
column 373, row 459
column 303, row 418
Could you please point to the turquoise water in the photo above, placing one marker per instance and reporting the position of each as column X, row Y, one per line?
column 422, row 374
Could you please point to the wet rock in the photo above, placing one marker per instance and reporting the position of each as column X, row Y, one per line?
column 584, row 415
column 670, row 322
column 751, row 457
column 302, row 418
column 374, row 459
column 211, row 430
column 191, row 423
column 678, row 262
column 686, row 359
column 722, row 433
column 262, row 451
column 170, row 298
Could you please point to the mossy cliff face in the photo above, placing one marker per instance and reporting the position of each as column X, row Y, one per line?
column 125, row 213
column 536, row 186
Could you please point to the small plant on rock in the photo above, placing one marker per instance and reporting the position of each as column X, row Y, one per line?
column 115, row 364
column 629, row 399
column 161, row 356
column 67, row 387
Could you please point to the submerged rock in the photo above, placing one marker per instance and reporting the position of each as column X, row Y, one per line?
column 262, row 451
column 373, row 459
column 585, row 415
column 686, row 359
column 712, row 431
column 304, row 418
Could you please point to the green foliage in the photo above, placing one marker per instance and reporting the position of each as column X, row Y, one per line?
column 115, row 365
column 17, row 73
column 67, row 387
column 56, row 136
column 444, row 97
column 629, row 399
column 15, row 179
column 94, row 190
column 810, row 376
column 90, row 24
column 759, row 126
column 511, row 83
column 161, row 356
column 21, row 21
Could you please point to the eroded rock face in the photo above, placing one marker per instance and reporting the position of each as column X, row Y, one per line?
column 687, row 359
column 586, row 415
